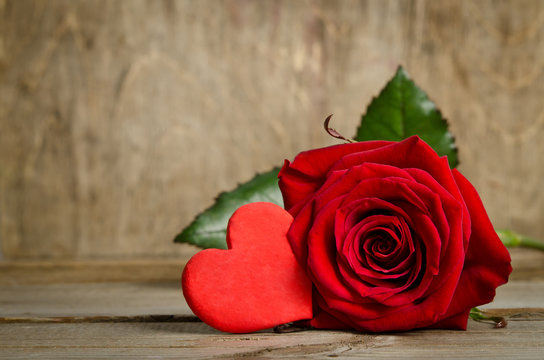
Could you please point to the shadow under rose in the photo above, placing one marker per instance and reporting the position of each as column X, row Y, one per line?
column 183, row 327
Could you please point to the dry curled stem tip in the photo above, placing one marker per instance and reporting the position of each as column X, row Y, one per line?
column 332, row 132
column 501, row 324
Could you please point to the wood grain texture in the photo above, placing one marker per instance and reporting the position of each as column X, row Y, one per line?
column 125, row 299
column 528, row 265
column 120, row 120
column 93, row 300
column 522, row 339
column 30, row 290
column 149, row 319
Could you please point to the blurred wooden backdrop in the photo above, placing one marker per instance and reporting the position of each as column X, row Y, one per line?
column 120, row 120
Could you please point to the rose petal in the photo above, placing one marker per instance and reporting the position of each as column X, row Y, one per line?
column 301, row 178
column 458, row 321
column 410, row 153
column 487, row 262
column 322, row 255
column 384, row 188
column 355, row 288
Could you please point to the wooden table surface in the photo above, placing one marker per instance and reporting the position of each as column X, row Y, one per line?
column 135, row 309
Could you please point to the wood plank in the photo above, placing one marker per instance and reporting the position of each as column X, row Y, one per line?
column 521, row 340
column 518, row 294
column 43, row 317
column 165, row 298
column 93, row 299
column 528, row 264
column 145, row 287
column 85, row 271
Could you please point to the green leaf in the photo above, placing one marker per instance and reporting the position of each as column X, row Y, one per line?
column 402, row 110
column 209, row 228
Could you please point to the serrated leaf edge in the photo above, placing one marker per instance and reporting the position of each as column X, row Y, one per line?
column 180, row 237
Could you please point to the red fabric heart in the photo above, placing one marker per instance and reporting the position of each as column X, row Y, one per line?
column 256, row 284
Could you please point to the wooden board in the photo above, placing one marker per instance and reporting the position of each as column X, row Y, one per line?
column 120, row 120
column 165, row 298
column 145, row 287
column 46, row 318
column 523, row 339
column 528, row 264
column 65, row 272
column 96, row 299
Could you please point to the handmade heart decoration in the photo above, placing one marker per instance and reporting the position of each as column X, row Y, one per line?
column 256, row 284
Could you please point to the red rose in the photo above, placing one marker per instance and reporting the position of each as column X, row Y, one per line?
column 390, row 236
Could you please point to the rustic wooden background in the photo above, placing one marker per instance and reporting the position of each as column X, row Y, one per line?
column 120, row 120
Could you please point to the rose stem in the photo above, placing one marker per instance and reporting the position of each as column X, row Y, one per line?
column 511, row 239
column 478, row 315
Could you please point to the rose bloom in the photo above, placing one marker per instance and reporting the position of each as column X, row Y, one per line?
column 390, row 236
